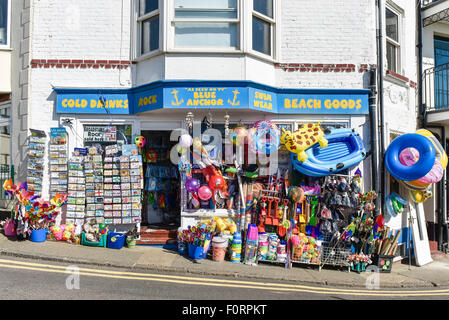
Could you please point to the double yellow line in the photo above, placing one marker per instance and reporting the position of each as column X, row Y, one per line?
column 187, row 280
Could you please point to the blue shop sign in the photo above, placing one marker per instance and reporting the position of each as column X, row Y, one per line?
column 229, row 95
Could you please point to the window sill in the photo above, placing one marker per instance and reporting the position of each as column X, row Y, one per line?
column 5, row 48
column 205, row 52
column 396, row 78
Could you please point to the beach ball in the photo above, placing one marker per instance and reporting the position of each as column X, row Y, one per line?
column 217, row 182
column 192, row 184
column 238, row 135
column 140, row 141
column 204, row 193
column 185, row 141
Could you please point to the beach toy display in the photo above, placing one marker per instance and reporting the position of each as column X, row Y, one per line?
column 251, row 247
column 302, row 139
column 345, row 149
column 37, row 214
column 236, row 247
column 264, row 137
column 417, row 160
column 196, row 239
column 305, row 249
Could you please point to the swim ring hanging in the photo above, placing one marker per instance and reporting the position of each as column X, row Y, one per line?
column 416, row 171
column 264, row 137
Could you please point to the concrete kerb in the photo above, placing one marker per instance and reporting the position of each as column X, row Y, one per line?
column 411, row 283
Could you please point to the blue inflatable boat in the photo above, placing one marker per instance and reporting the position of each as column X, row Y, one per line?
column 345, row 150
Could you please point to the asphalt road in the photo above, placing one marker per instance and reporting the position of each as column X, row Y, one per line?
column 22, row 279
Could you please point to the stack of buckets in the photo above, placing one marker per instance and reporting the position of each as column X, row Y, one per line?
column 251, row 245
column 236, row 247
column 220, row 246
column 263, row 246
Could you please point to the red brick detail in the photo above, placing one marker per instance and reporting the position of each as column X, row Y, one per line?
column 398, row 76
column 320, row 67
column 413, row 84
column 79, row 63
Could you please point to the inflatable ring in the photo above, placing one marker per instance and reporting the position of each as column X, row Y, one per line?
column 436, row 173
column 421, row 167
column 395, row 204
column 258, row 137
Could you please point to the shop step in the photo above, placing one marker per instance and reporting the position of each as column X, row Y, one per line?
column 150, row 236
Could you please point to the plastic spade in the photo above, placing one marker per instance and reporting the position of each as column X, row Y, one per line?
column 282, row 230
column 269, row 218
column 313, row 220
column 276, row 218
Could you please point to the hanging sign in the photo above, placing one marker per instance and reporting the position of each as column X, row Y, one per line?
column 100, row 134
column 230, row 95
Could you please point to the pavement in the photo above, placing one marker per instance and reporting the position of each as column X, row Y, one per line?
column 434, row 274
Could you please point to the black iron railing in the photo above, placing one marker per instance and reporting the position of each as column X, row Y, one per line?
column 436, row 88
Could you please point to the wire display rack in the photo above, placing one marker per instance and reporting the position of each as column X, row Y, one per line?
column 334, row 256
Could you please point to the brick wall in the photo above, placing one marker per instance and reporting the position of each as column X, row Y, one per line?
column 326, row 44
column 81, row 29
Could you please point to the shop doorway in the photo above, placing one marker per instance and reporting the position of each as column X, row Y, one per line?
column 161, row 201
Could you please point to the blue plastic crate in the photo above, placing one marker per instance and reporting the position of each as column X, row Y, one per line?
column 116, row 240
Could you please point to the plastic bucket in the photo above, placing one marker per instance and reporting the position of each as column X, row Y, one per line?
column 116, row 240
column 39, row 235
column 219, row 246
column 131, row 243
column 195, row 252
column 10, row 229
column 182, row 248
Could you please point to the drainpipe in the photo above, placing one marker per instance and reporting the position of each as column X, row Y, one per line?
column 421, row 108
column 375, row 178
column 380, row 66
column 422, row 117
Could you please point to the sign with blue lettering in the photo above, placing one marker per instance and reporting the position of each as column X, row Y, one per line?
column 147, row 100
column 93, row 103
column 323, row 103
column 229, row 95
column 206, row 97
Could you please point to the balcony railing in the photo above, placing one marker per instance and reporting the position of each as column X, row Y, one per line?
column 436, row 88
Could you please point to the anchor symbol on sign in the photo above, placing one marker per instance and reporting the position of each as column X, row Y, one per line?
column 177, row 103
column 234, row 103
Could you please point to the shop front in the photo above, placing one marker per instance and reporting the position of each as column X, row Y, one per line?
column 156, row 110
column 256, row 173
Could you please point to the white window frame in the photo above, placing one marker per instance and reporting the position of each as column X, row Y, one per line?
column 171, row 31
column 274, row 32
column 138, row 29
column 397, row 44
column 8, row 28
column 167, row 19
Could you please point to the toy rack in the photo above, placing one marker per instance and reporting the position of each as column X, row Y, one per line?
column 335, row 256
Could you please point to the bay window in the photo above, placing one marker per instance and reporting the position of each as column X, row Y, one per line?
column 149, row 25
column 206, row 24
column 263, row 26
column 226, row 26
